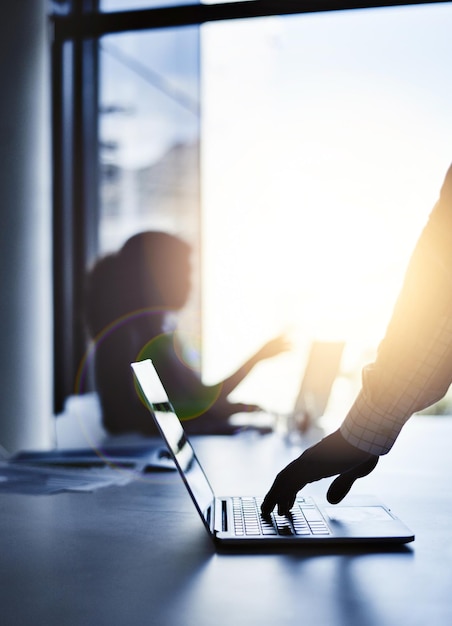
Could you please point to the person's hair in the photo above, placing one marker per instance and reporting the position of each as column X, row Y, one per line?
column 150, row 271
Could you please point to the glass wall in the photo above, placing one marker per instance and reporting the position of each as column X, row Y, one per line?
column 299, row 156
column 325, row 140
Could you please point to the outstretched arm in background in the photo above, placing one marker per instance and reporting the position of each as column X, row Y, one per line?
column 270, row 349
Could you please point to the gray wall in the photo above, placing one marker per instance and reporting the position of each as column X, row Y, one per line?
column 25, row 227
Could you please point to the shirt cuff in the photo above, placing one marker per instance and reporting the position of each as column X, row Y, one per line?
column 369, row 430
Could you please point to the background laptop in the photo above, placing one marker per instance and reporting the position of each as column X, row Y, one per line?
column 236, row 520
column 321, row 370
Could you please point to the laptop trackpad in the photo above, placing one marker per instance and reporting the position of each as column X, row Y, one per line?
column 357, row 514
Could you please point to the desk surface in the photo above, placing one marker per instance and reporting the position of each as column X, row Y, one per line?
column 138, row 554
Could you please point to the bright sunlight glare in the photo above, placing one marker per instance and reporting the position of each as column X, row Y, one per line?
column 325, row 142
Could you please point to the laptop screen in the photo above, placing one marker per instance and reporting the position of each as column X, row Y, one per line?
column 156, row 399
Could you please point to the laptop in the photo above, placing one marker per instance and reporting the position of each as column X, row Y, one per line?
column 321, row 370
column 236, row 520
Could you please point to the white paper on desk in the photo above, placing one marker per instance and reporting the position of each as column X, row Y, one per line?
column 48, row 480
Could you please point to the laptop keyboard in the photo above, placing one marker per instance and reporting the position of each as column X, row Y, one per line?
column 304, row 519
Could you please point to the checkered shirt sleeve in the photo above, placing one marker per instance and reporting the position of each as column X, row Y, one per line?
column 380, row 410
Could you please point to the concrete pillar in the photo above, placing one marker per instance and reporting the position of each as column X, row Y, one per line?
column 25, row 227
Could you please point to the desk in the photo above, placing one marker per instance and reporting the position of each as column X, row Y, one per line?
column 129, row 556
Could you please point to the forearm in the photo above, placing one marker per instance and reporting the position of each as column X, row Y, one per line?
column 270, row 349
column 233, row 381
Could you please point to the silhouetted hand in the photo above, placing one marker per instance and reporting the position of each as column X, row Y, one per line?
column 333, row 455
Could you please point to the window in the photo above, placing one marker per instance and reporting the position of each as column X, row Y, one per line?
column 149, row 145
column 290, row 160
column 325, row 140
